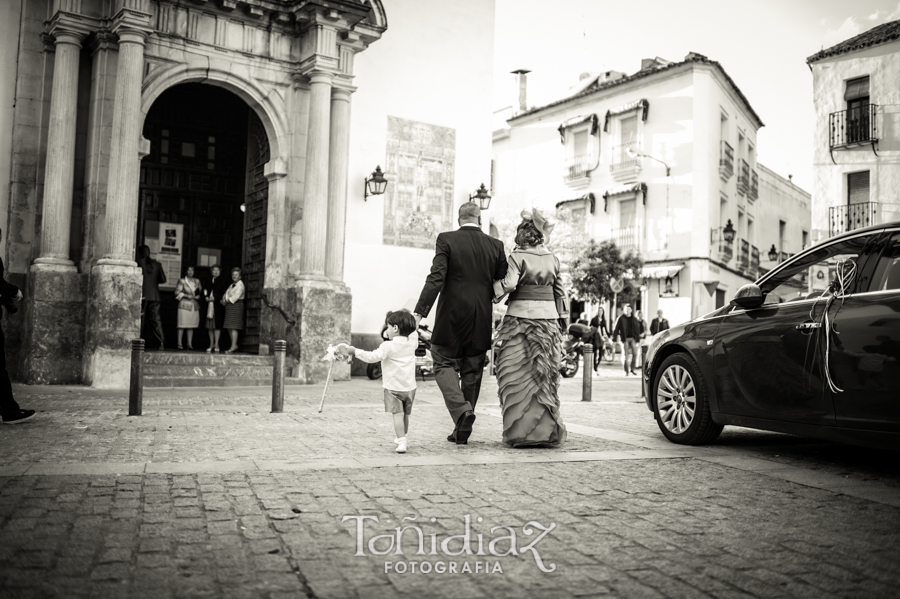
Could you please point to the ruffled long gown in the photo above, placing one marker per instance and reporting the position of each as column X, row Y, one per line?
column 530, row 350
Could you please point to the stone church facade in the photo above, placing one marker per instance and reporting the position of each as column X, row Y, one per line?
column 107, row 101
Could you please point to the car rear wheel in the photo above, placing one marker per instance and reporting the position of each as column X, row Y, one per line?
column 681, row 402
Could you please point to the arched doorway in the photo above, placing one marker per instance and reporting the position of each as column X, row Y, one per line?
column 204, row 197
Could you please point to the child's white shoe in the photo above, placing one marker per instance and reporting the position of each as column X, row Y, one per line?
column 401, row 445
column 397, row 441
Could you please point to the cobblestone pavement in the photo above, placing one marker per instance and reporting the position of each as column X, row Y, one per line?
column 209, row 495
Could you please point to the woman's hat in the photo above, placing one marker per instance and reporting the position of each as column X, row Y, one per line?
column 541, row 223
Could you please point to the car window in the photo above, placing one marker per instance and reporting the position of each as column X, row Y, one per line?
column 887, row 272
column 811, row 276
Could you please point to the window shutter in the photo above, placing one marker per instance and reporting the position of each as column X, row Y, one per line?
column 858, row 187
column 857, row 88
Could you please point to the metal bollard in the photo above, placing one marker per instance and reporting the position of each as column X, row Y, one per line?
column 588, row 353
column 278, row 377
column 136, row 393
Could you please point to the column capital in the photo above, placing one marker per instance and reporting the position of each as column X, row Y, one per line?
column 317, row 76
column 69, row 28
column 341, row 91
column 132, row 26
column 103, row 40
column 275, row 169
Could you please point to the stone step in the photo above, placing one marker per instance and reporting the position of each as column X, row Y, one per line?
column 195, row 358
column 208, row 371
column 175, row 381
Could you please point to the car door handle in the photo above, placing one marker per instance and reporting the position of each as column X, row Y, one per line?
column 808, row 325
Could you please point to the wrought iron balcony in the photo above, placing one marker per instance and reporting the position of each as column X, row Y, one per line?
column 726, row 161
column 622, row 160
column 754, row 258
column 851, row 216
column 628, row 239
column 754, row 185
column 743, row 260
column 852, row 126
column 576, row 167
column 743, row 184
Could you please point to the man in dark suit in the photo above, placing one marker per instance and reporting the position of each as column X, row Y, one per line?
column 659, row 323
column 465, row 266
column 153, row 277
column 629, row 328
column 10, row 410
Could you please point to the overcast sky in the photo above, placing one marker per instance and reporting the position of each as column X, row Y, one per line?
column 762, row 44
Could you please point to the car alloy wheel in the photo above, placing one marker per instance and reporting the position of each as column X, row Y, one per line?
column 681, row 401
column 676, row 397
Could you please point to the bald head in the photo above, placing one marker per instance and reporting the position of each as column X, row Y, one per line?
column 469, row 213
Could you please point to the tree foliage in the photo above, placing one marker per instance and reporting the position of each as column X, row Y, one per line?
column 599, row 263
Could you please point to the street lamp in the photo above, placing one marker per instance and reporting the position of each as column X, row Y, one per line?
column 630, row 151
column 773, row 254
column 728, row 232
column 376, row 184
column 483, row 197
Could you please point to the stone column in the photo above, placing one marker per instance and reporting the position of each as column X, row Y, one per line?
column 60, row 170
column 338, row 164
column 115, row 292
column 124, row 163
column 315, row 193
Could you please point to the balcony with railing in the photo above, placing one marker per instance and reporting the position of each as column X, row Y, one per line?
column 576, row 168
column 743, row 182
column 719, row 248
column 852, row 126
column 852, row 216
column 754, row 259
column 754, row 185
column 726, row 160
column 743, row 259
column 624, row 160
column 628, row 239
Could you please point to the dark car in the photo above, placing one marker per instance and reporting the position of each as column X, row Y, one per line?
column 812, row 348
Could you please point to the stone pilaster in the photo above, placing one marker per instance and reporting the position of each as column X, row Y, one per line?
column 315, row 192
column 338, row 164
column 60, row 170
column 115, row 291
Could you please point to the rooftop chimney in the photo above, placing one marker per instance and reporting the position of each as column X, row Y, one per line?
column 522, row 80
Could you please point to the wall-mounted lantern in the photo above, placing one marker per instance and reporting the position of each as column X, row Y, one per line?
column 483, row 197
column 773, row 254
column 376, row 184
column 728, row 232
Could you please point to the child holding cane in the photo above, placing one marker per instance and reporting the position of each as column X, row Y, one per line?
column 398, row 366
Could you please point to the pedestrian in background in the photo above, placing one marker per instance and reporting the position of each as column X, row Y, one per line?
column 599, row 332
column 659, row 323
column 187, row 294
column 643, row 323
column 234, row 308
column 213, row 291
column 9, row 409
column 628, row 328
column 153, row 278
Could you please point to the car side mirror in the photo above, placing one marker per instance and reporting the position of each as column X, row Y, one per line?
column 748, row 296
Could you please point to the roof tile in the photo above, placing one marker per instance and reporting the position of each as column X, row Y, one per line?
column 881, row 34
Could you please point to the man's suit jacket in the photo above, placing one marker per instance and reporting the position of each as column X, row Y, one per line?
column 7, row 290
column 466, row 264
column 153, row 277
column 657, row 325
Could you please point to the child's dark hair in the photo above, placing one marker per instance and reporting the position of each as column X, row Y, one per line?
column 405, row 321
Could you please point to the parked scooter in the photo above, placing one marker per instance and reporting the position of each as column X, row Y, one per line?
column 573, row 349
column 424, row 361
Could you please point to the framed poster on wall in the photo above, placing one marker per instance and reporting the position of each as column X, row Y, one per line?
column 207, row 257
column 166, row 243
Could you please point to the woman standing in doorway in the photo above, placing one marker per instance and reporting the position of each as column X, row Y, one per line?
column 214, row 291
column 187, row 293
column 234, row 308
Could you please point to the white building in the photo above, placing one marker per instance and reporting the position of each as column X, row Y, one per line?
column 659, row 161
column 857, row 139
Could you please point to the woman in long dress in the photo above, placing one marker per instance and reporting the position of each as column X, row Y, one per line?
column 214, row 292
column 187, row 293
column 234, row 308
column 530, row 339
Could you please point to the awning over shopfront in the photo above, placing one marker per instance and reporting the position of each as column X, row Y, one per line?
column 661, row 272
